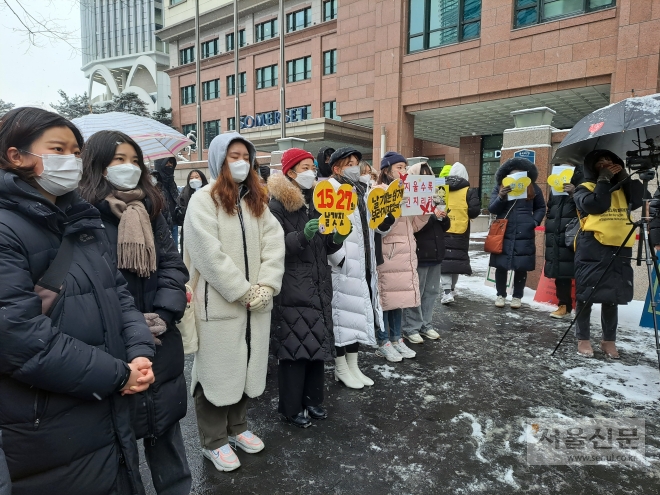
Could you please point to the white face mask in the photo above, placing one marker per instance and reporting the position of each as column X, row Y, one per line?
column 365, row 179
column 352, row 173
column 124, row 177
column 61, row 173
column 154, row 181
column 239, row 170
column 195, row 183
column 306, row 179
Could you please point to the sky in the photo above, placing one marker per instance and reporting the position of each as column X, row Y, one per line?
column 29, row 74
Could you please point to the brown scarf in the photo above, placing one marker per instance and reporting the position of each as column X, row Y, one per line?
column 136, row 250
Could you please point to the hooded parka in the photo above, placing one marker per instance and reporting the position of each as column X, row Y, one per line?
column 591, row 257
column 559, row 259
column 523, row 215
column 163, row 293
column 231, row 253
column 168, row 187
column 65, row 426
column 301, row 323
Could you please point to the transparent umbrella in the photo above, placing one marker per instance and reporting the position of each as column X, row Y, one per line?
column 156, row 140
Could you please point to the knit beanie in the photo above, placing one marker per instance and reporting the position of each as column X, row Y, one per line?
column 292, row 157
column 390, row 158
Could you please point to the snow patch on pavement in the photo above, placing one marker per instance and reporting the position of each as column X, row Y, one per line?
column 633, row 383
column 387, row 372
column 476, row 434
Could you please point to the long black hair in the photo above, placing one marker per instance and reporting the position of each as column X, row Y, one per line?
column 188, row 191
column 21, row 127
column 97, row 155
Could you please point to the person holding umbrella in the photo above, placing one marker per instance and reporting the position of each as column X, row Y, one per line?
column 605, row 226
column 301, row 327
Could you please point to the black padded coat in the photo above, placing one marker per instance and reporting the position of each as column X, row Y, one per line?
column 457, row 257
column 65, row 427
column 301, row 322
column 163, row 293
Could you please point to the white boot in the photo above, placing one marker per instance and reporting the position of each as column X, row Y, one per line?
column 352, row 360
column 344, row 374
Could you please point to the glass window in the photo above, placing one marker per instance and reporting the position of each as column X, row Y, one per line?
column 266, row 30
column 187, row 55
column 298, row 20
column 329, row 62
column 188, row 95
column 298, row 114
column 211, row 130
column 529, row 12
column 267, row 77
column 329, row 10
column 231, row 85
column 299, row 69
column 229, row 40
column 211, row 89
column 330, row 110
column 210, row 48
column 188, row 128
column 231, row 124
column 176, row 2
column 491, row 147
column 434, row 23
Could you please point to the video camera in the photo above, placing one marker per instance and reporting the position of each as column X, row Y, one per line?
column 643, row 158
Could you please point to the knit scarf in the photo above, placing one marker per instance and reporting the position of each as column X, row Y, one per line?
column 136, row 251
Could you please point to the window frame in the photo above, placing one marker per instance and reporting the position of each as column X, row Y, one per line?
column 333, row 12
column 426, row 31
column 260, row 74
column 174, row 3
column 332, row 110
column 333, row 62
column 539, row 5
column 274, row 29
column 187, row 51
column 231, row 123
column 206, row 92
column 307, row 69
column 232, row 85
column 241, row 40
column 205, row 126
column 184, row 91
column 205, row 44
column 186, row 128
column 307, row 14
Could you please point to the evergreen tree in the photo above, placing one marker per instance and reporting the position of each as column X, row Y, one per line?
column 72, row 107
column 5, row 106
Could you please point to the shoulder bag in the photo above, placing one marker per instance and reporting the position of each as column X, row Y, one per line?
column 495, row 239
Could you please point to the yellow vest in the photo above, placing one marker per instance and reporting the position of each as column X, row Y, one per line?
column 612, row 227
column 458, row 211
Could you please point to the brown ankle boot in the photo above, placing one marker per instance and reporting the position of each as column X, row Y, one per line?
column 584, row 348
column 609, row 348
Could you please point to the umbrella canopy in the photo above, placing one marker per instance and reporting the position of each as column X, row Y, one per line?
column 613, row 128
column 156, row 140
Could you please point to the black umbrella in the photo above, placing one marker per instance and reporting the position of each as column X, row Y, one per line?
column 613, row 128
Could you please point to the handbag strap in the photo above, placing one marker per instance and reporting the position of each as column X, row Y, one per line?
column 507, row 213
column 59, row 267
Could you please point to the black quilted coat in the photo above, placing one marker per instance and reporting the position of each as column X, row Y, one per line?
column 65, row 426
column 301, row 322
column 164, row 293
column 457, row 257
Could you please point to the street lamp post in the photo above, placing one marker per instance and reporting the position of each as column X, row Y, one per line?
column 237, row 89
column 198, row 84
column 282, row 73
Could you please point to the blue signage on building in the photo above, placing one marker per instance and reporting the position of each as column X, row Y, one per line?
column 271, row 118
column 529, row 154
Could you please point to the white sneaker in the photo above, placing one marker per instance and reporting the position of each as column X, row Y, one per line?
column 499, row 302
column 388, row 351
column 447, row 298
column 414, row 338
column 224, row 458
column 248, row 442
column 404, row 350
column 430, row 334
column 516, row 303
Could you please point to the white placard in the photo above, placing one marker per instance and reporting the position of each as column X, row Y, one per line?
column 418, row 193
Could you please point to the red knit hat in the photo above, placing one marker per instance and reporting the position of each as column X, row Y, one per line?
column 292, row 157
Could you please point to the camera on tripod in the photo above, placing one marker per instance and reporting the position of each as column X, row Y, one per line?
column 643, row 158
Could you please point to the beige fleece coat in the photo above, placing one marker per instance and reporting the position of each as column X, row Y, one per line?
column 214, row 242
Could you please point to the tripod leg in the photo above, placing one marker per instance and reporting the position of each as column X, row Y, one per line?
column 593, row 291
column 651, row 265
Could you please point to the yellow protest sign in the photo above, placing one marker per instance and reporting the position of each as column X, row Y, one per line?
column 382, row 202
column 518, row 183
column 560, row 175
column 334, row 206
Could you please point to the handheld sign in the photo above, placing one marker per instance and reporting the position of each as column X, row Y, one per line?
column 561, row 174
column 382, row 202
column 419, row 192
column 334, row 207
column 519, row 183
column 441, row 194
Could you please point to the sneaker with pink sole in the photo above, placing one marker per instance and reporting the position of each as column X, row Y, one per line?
column 224, row 458
column 247, row 442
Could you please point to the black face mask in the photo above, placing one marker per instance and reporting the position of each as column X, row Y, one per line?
column 169, row 171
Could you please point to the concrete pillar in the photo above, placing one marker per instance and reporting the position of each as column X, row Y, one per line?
column 469, row 154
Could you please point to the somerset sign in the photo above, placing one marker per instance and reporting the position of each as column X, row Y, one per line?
column 274, row 117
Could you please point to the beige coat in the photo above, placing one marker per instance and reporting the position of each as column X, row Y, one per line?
column 398, row 281
column 214, row 243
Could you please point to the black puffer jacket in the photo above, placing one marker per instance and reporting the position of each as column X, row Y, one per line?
column 592, row 257
column 559, row 259
column 519, row 251
column 65, row 426
column 182, row 203
column 301, row 323
column 164, row 293
column 457, row 257
column 5, row 480
column 167, row 186
column 431, row 241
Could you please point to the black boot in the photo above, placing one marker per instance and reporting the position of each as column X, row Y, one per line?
column 317, row 412
column 301, row 420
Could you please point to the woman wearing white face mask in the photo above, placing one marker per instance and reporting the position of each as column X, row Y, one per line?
column 116, row 181
column 301, row 328
column 73, row 344
column 196, row 180
column 234, row 248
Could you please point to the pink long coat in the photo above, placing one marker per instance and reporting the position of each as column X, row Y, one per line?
column 398, row 282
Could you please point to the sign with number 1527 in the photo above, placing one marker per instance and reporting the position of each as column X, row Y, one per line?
column 334, row 206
